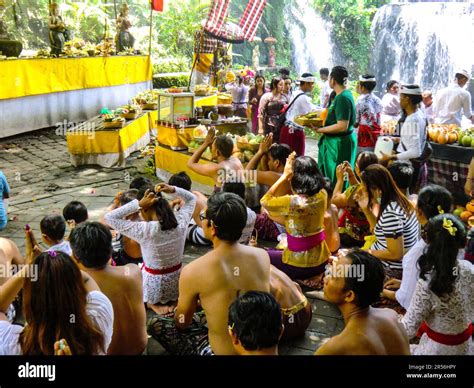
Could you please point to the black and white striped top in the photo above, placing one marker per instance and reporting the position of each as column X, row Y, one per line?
column 394, row 223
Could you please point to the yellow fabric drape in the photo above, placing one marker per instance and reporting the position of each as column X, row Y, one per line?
column 206, row 100
column 172, row 137
column 175, row 162
column 108, row 142
column 27, row 77
column 204, row 62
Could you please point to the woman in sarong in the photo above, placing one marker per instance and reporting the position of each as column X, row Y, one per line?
column 339, row 142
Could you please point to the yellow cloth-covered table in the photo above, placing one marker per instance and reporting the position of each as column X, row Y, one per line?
column 90, row 144
column 43, row 93
column 206, row 100
column 28, row 77
column 170, row 162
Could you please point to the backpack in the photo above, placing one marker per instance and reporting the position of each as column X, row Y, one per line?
column 282, row 119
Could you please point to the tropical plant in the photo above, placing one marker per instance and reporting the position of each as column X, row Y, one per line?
column 162, row 81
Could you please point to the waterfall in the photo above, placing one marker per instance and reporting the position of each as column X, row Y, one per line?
column 310, row 37
column 423, row 42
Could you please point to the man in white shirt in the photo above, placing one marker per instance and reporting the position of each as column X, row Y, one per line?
column 452, row 100
column 301, row 105
column 292, row 133
column 325, row 88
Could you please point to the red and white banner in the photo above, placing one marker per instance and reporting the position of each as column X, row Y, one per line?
column 217, row 25
column 217, row 16
column 251, row 18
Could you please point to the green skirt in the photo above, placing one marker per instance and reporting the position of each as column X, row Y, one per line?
column 335, row 150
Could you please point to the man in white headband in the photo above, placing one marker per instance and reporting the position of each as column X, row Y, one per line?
column 413, row 90
column 300, row 104
column 453, row 101
column 413, row 143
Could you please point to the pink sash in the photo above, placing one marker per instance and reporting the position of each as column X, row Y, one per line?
column 301, row 244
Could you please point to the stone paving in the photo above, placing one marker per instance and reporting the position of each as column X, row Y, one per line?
column 43, row 181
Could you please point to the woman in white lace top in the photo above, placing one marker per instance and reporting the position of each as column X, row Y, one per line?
column 443, row 304
column 161, row 237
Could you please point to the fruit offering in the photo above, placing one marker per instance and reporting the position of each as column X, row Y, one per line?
column 310, row 119
column 389, row 127
column 443, row 133
column 111, row 118
column 204, row 90
column 466, row 214
column 250, row 138
column 200, row 132
column 466, row 137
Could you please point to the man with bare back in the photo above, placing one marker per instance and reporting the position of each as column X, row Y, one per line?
column 91, row 245
column 353, row 282
column 296, row 310
column 10, row 257
column 214, row 281
column 227, row 169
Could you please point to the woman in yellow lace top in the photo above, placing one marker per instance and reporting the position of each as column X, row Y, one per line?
column 302, row 214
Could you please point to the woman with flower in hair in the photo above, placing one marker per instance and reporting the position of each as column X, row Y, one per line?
column 432, row 201
column 442, row 307
column 338, row 143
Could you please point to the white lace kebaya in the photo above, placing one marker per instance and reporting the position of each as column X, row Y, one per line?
column 449, row 315
column 162, row 251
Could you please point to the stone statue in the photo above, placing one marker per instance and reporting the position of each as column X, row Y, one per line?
column 271, row 56
column 271, row 50
column 256, row 57
column 124, row 39
column 58, row 33
column 8, row 47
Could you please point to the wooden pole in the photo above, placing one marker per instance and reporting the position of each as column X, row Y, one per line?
column 151, row 29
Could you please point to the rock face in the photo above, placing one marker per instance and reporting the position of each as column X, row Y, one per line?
column 10, row 48
column 421, row 42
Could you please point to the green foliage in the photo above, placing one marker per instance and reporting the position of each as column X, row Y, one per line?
column 173, row 30
column 87, row 21
column 171, row 65
column 162, row 81
column 176, row 27
column 149, row 168
column 317, row 92
column 352, row 21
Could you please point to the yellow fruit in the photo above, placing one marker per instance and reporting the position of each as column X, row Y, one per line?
column 470, row 207
column 452, row 137
column 470, row 221
column 466, row 215
column 443, row 138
